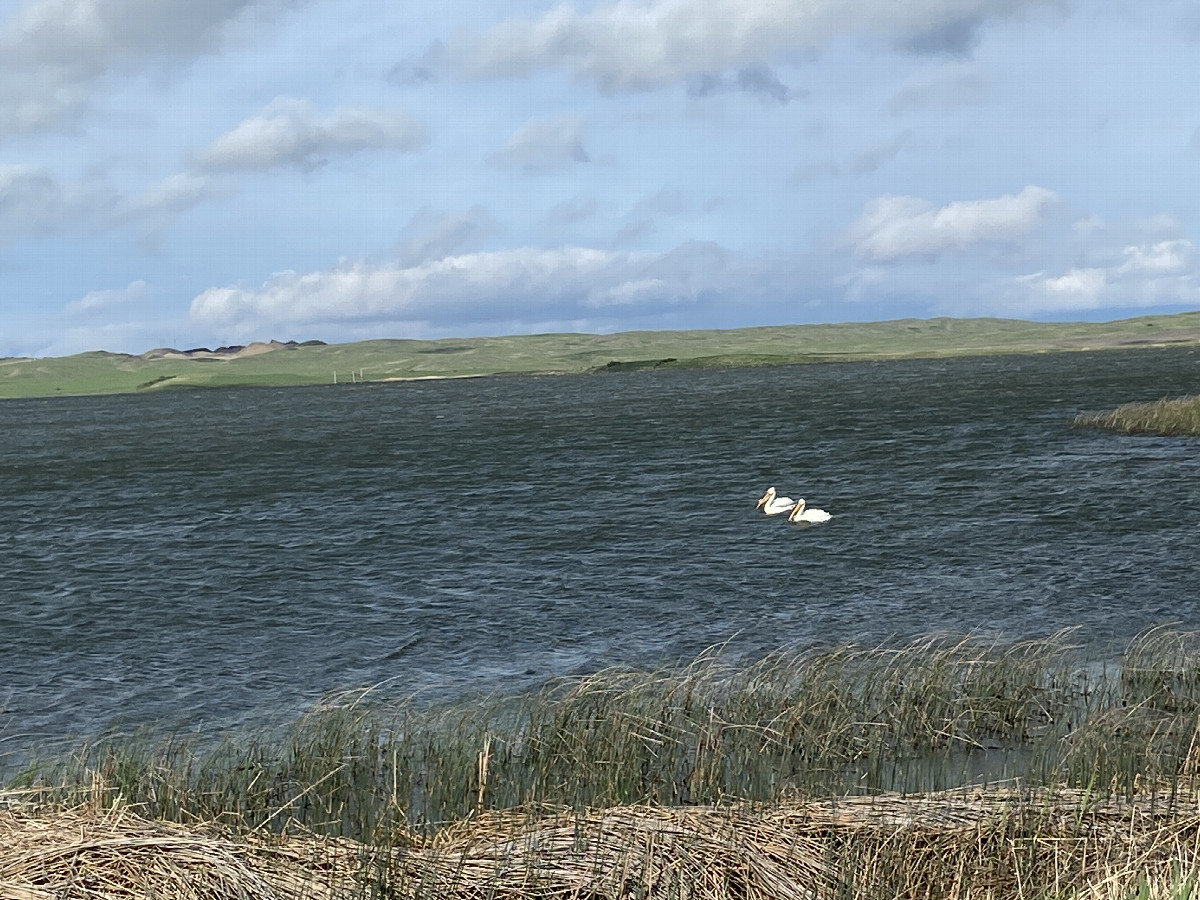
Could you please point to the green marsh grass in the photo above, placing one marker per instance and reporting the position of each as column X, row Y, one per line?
column 1169, row 416
column 942, row 767
column 926, row 716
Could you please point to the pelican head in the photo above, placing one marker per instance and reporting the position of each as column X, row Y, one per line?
column 797, row 510
column 765, row 498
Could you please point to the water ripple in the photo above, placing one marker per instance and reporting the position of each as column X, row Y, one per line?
column 198, row 560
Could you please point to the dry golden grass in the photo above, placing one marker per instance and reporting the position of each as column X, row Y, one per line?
column 88, row 853
column 983, row 844
column 978, row 844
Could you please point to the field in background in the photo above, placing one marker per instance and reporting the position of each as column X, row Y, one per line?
column 99, row 372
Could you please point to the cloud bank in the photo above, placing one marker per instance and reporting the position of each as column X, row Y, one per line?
column 895, row 227
column 1160, row 273
column 105, row 301
column 290, row 132
column 55, row 52
column 422, row 293
column 628, row 45
column 523, row 285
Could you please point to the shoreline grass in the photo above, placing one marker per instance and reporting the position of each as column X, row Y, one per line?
column 924, row 716
column 937, row 768
column 1171, row 416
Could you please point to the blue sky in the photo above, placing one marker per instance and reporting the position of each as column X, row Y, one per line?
column 189, row 174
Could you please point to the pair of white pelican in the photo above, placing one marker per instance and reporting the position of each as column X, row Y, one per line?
column 774, row 505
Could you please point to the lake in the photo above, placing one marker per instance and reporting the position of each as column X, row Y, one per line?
column 209, row 559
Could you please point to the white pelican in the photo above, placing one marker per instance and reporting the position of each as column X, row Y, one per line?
column 800, row 514
column 772, row 505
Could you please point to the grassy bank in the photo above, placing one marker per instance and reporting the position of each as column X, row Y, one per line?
column 1171, row 416
column 939, row 768
column 384, row 360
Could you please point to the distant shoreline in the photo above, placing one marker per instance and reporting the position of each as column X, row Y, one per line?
column 425, row 377
column 282, row 364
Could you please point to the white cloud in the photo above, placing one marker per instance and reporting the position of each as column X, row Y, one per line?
column 55, row 52
column 103, row 302
column 1162, row 258
column 289, row 132
column 1076, row 287
column 628, row 293
column 160, row 204
column 1159, row 225
column 360, row 290
column 522, row 285
column 629, row 44
column 1148, row 274
column 894, row 227
column 176, row 193
column 542, row 144
column 35, row 202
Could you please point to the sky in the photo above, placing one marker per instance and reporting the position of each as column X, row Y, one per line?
column 185, row 174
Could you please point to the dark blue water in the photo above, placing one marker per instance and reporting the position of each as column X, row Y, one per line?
column 203, row 559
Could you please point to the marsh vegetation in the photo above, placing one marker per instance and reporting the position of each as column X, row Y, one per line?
column 938, row 768
column 1169, row 416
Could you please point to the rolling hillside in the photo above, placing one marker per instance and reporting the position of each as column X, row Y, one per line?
column 313, row 362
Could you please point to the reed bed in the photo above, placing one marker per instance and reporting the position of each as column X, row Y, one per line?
column 957, row 768
column 1169, row 416
column 922, row 716
column 997, row 843
column 981, row 844
column 112, row 853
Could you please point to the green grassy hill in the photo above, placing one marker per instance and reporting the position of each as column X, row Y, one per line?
column 99, row 372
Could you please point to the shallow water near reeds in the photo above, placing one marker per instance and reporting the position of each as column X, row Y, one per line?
column 200, row 560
